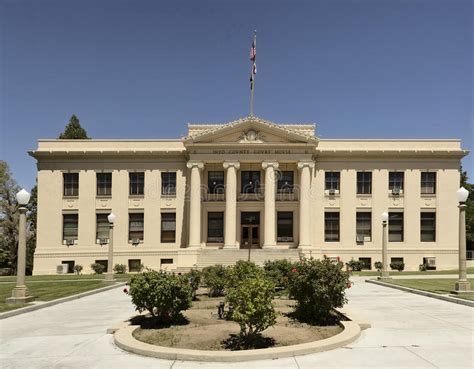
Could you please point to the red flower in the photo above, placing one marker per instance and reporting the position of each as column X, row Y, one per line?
column 349, row 284
column 338, row 258
column 294, row 270
column 125, row 291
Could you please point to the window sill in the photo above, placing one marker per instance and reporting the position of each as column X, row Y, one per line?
column 168, row 196
column 103, row 196
column 71, row 197
column 428, row 195
column 363, row 195
column 136, row 196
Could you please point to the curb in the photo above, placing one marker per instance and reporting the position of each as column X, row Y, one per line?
column 46, row 304
column 451, row 299
column 123, row 338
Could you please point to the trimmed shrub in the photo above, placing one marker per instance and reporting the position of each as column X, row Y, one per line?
column 120, row 268
column 78, row 269
column 240, row 271
column 355, row 265
column 98, row 268
column 397, row 265
column 423, row 267
column 194, row 279
column 163, row 295
column 318, row 286
column 214, row 278
column 251, row 305
column 278, row 271
column 378, row 265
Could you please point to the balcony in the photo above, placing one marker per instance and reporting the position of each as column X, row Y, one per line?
column 254, row 194
column 214, row 197
column 287, row 194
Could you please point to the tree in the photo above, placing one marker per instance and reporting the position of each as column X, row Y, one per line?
column 469, row 206
column 8, row 218
column 31, row 241
column 73, row 130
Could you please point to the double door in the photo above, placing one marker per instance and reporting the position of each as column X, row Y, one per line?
column 250, row 230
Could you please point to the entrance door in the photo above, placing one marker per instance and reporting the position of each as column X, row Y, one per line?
column 250, row 230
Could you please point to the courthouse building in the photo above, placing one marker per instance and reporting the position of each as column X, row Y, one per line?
column 248, row 188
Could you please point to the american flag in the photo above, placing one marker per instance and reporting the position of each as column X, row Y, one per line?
column 253, row 51
column 253, row 58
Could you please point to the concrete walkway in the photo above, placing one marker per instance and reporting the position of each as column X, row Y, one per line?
column 408, row 331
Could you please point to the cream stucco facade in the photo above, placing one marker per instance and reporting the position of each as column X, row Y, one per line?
column 262, row 186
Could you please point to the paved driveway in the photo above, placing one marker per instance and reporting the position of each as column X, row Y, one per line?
column 408, row 331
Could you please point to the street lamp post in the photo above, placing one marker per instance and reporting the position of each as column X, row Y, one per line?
column 109, row 276
column 385, row 274
column 20, row 292
column 462, row 285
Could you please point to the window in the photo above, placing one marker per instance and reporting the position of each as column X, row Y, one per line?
column 137, row 183
column 285, row 226
column 364, row 183
column 70, row 265
column 366, row 263
column 395, row 180
column 285, row 181
column 166, row 261
column 168, row 183
column 215, row 227
column 135, row 226
column 168, row 227
column 71, row 184
column 104, row 184
column 428, row 183
column 70, row 227
column 250, row 182
column 396, row 260
column 135, row 265
column 364, row 226
column 102, row 226
column 104, row 263
column 428, row 227
column 215, row 182
column 395, row 227
column 331, row 227
column 332, row 180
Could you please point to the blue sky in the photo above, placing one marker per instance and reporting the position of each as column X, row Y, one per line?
column 143, row 69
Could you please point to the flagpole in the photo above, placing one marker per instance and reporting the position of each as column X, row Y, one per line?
column 253, row 76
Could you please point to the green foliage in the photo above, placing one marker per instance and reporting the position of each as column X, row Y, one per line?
column 73, row 130
column 423, row 267
column 78, row 269
column 194, row 279
column 355, row 265
column 120, row 268
column 163, row 295
column 251, row 304
column 241, row 270
column 318, row 286
column 98, row 268
column 397, row 265
column 214, row 278
column 469, row 206
column 378, row 265
column 278, row 271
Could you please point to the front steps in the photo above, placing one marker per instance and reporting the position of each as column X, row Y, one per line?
column 231, row 256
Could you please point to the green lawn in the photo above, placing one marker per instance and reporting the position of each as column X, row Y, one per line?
column 49, row 290
column 441, row 286
column 55, row 277
column 428, row 272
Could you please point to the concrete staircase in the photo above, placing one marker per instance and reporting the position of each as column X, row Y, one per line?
column 258, row 256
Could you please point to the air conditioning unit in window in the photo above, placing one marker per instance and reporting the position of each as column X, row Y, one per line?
column 103, row 241
column 135, row 241
column 396, row 191
column 367, row 239
column 360, row 238
column 332, row 191
column 62, row 269
column 431, row 262
column 70, row 242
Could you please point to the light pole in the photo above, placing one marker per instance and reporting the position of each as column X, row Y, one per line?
column 462, row 285
column 20, row 292
column 109, row 276
column 385, row 275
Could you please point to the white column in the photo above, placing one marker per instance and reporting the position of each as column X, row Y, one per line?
column 195, row 203
column 269, row 236
column 230, row 226
column 305, row 203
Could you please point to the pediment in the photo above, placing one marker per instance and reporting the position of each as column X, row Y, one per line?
column 250, row 131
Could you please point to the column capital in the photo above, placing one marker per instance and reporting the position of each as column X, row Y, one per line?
column 228, row 164
column 304, row 164
column 197, row 164
column 266, row 164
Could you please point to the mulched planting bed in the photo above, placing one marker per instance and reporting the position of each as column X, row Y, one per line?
column 202, row 330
